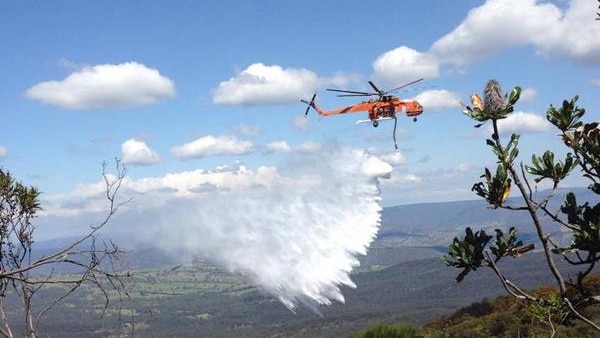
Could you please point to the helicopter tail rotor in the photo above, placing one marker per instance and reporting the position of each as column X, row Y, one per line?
column 310, row 103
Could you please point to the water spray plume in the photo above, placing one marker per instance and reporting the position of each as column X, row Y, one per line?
column 298, row 236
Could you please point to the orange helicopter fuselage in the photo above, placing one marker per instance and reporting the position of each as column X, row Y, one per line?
column 378, row 109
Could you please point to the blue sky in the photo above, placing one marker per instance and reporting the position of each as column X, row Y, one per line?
column 177, row 87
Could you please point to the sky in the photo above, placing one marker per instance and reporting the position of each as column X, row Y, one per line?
column 197, row 94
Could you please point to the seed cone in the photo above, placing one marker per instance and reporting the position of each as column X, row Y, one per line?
column 493, row 99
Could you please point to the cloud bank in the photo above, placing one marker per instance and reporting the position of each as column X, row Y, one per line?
column 495, row 26
column 105, row 86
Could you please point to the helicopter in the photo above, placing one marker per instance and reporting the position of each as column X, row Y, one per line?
column 383, row 106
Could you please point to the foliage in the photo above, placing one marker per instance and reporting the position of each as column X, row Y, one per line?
column 18, row 207
column 468, row 253
column 22, row 275
column 549, row 308
column 496, row 189
column 503, row 317
column 388, row 331
column 582, row 221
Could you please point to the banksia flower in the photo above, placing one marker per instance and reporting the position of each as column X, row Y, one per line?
column 476, row 101
column 493, row 98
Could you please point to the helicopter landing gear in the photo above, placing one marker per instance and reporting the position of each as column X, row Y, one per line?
column 375, row 124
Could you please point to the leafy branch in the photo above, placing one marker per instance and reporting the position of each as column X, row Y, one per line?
column 582, row 221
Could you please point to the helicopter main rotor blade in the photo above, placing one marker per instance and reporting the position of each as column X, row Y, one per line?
column 379, row 92
column 347, row 91
column 347, row 95
column 405, row 85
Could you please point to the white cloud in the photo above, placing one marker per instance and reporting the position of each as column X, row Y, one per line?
column 150, row 192
column 438, row 99
column 309, row 147
column 138, row 153
column 500, row 24
column 394, row 158
column 450, row 183
column 528, row 94
column 412, row 178
column 247, row 130
column 211, row 145
column 105, row 86
column 300, row 122
column 397, row 180
column 2, row 151
column 595, row 82
column 260, row 84
column 577, row 36
column 495, row 26
column 456, row 172
column 463, row 167
column 188, row 183
column 404, row 64
column 521, row 122
column 278, row 147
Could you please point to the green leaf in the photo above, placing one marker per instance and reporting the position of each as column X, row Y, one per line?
column 467, row 253
column 567, row 117
column 545, row 167
column 514, row 95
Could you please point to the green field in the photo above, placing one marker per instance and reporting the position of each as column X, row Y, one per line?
column 202, row 299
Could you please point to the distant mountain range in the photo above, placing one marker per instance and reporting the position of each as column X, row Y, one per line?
column 430, row 224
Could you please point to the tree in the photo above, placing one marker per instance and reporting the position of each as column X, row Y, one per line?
column 581, row 221
column 22, row 274
column 387, row 331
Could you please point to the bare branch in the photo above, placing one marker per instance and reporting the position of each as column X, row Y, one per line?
column 508, row 285
column 531, row 208
column 557, row 219
column 508, row 207
column 530, row 195
column 579, row 315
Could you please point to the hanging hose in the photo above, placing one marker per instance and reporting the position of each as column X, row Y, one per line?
column 395, row 122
